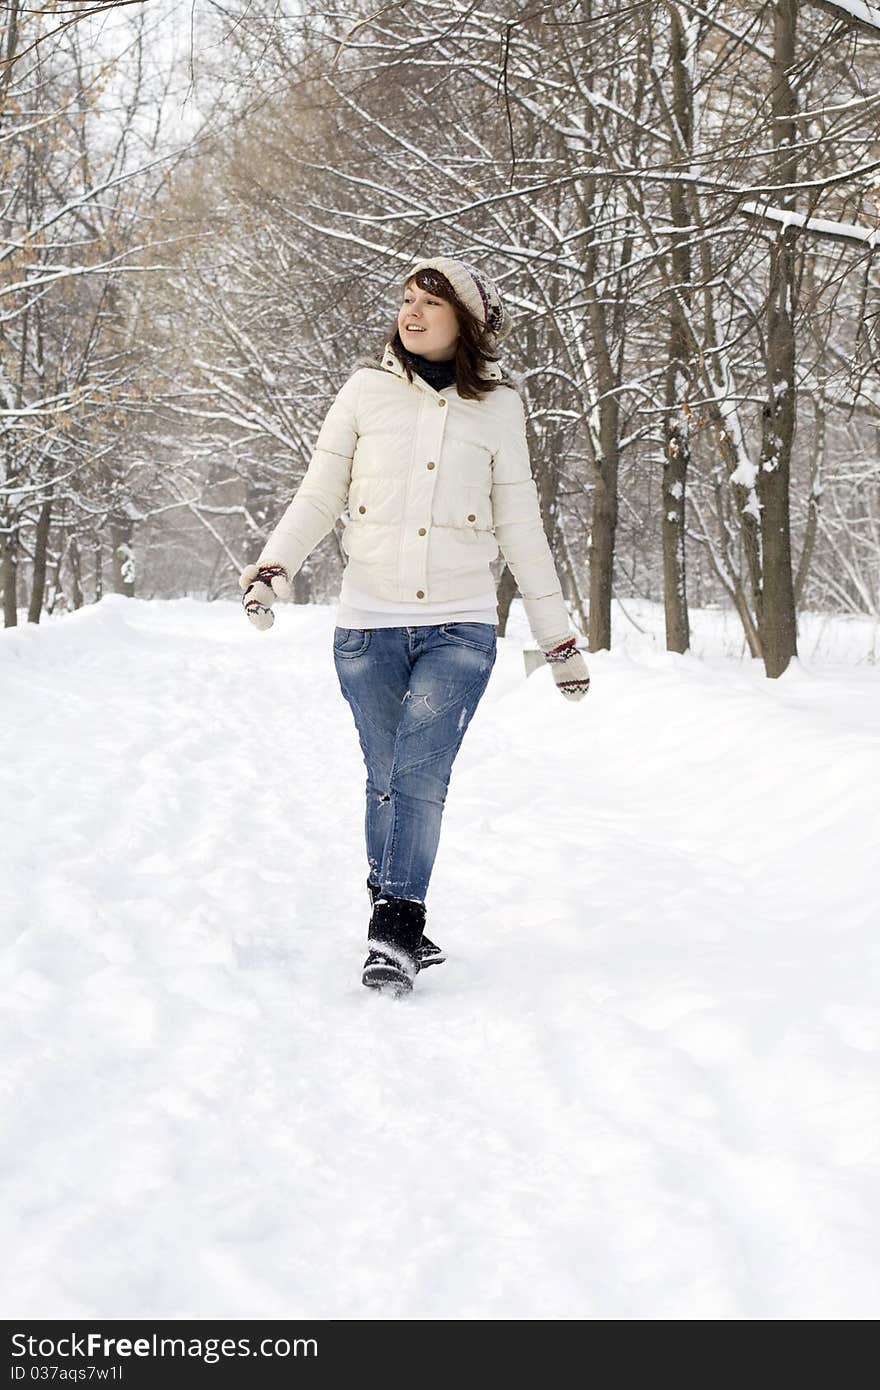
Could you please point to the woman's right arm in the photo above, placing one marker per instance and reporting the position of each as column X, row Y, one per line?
column 322, row 495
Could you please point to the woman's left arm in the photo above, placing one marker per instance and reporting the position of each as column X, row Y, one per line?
column 519, row 530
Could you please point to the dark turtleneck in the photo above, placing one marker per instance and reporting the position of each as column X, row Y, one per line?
column 436, row 374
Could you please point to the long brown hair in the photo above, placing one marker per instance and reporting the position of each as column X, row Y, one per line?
column 473, row 349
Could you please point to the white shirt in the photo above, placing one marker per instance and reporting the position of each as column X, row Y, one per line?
column 360, row 610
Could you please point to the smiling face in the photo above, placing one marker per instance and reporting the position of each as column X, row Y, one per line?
column 428, row 324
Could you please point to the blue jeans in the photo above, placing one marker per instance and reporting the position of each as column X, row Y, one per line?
column 413, row 692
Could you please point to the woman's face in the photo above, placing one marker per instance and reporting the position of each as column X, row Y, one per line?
column 428, row 324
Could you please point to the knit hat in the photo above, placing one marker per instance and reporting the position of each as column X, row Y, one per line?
column 475, row 290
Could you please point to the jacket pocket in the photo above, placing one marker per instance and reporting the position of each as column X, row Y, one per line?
column 359, row 499
column 477, row 505
column 370, row 502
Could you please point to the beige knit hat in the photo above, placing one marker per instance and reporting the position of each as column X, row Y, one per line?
column 475, row 290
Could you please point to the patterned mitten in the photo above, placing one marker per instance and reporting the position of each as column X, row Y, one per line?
column 569, row 669
column 262, row 584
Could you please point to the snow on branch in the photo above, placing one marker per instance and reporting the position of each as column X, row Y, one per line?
column 856, row 12
column 819, row 226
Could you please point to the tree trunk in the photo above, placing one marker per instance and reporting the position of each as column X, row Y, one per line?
column 813, row 502
column 76, row 573
column 603, row 529
column 9, row 564
column 602, row 535
column 38, row 576
column 606, row 462
column 675, row 469
column 777, row 616
column 678, row 371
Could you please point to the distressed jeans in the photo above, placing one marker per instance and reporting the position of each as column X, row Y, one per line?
column 412, row 691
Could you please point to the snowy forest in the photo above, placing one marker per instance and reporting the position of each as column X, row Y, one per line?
column 208, row 210
column 641, row 1081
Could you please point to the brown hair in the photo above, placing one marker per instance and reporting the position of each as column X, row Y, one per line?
column 473, row 349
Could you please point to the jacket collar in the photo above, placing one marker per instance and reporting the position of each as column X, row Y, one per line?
column 391, row 363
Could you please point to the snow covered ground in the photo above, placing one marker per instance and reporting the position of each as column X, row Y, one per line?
column 645, row 1085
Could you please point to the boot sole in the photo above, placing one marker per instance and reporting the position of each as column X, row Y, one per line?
column 385, row 977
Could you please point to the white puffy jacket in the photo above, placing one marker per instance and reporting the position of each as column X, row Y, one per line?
column 433, row 485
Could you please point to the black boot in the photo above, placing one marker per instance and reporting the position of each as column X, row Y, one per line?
column 394, row 936
column 428, row 953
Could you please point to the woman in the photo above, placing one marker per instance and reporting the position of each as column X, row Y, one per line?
column 427, row 450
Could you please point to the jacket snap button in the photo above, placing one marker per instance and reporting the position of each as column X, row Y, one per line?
column 441, row 402
column 363, row 509
column 470, row 518
column 432, row 465
column 422, row 531
column 420, row 593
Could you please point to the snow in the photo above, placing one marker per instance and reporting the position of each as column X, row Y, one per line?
column 822, row 226
column 643, row 1086
column 752, row 506
column 858, row 10
column 745, row 472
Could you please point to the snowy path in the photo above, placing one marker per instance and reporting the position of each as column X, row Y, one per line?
column 644, row 1086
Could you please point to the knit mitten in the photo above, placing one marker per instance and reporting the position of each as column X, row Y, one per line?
column 569, row 668
column 262, row 584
